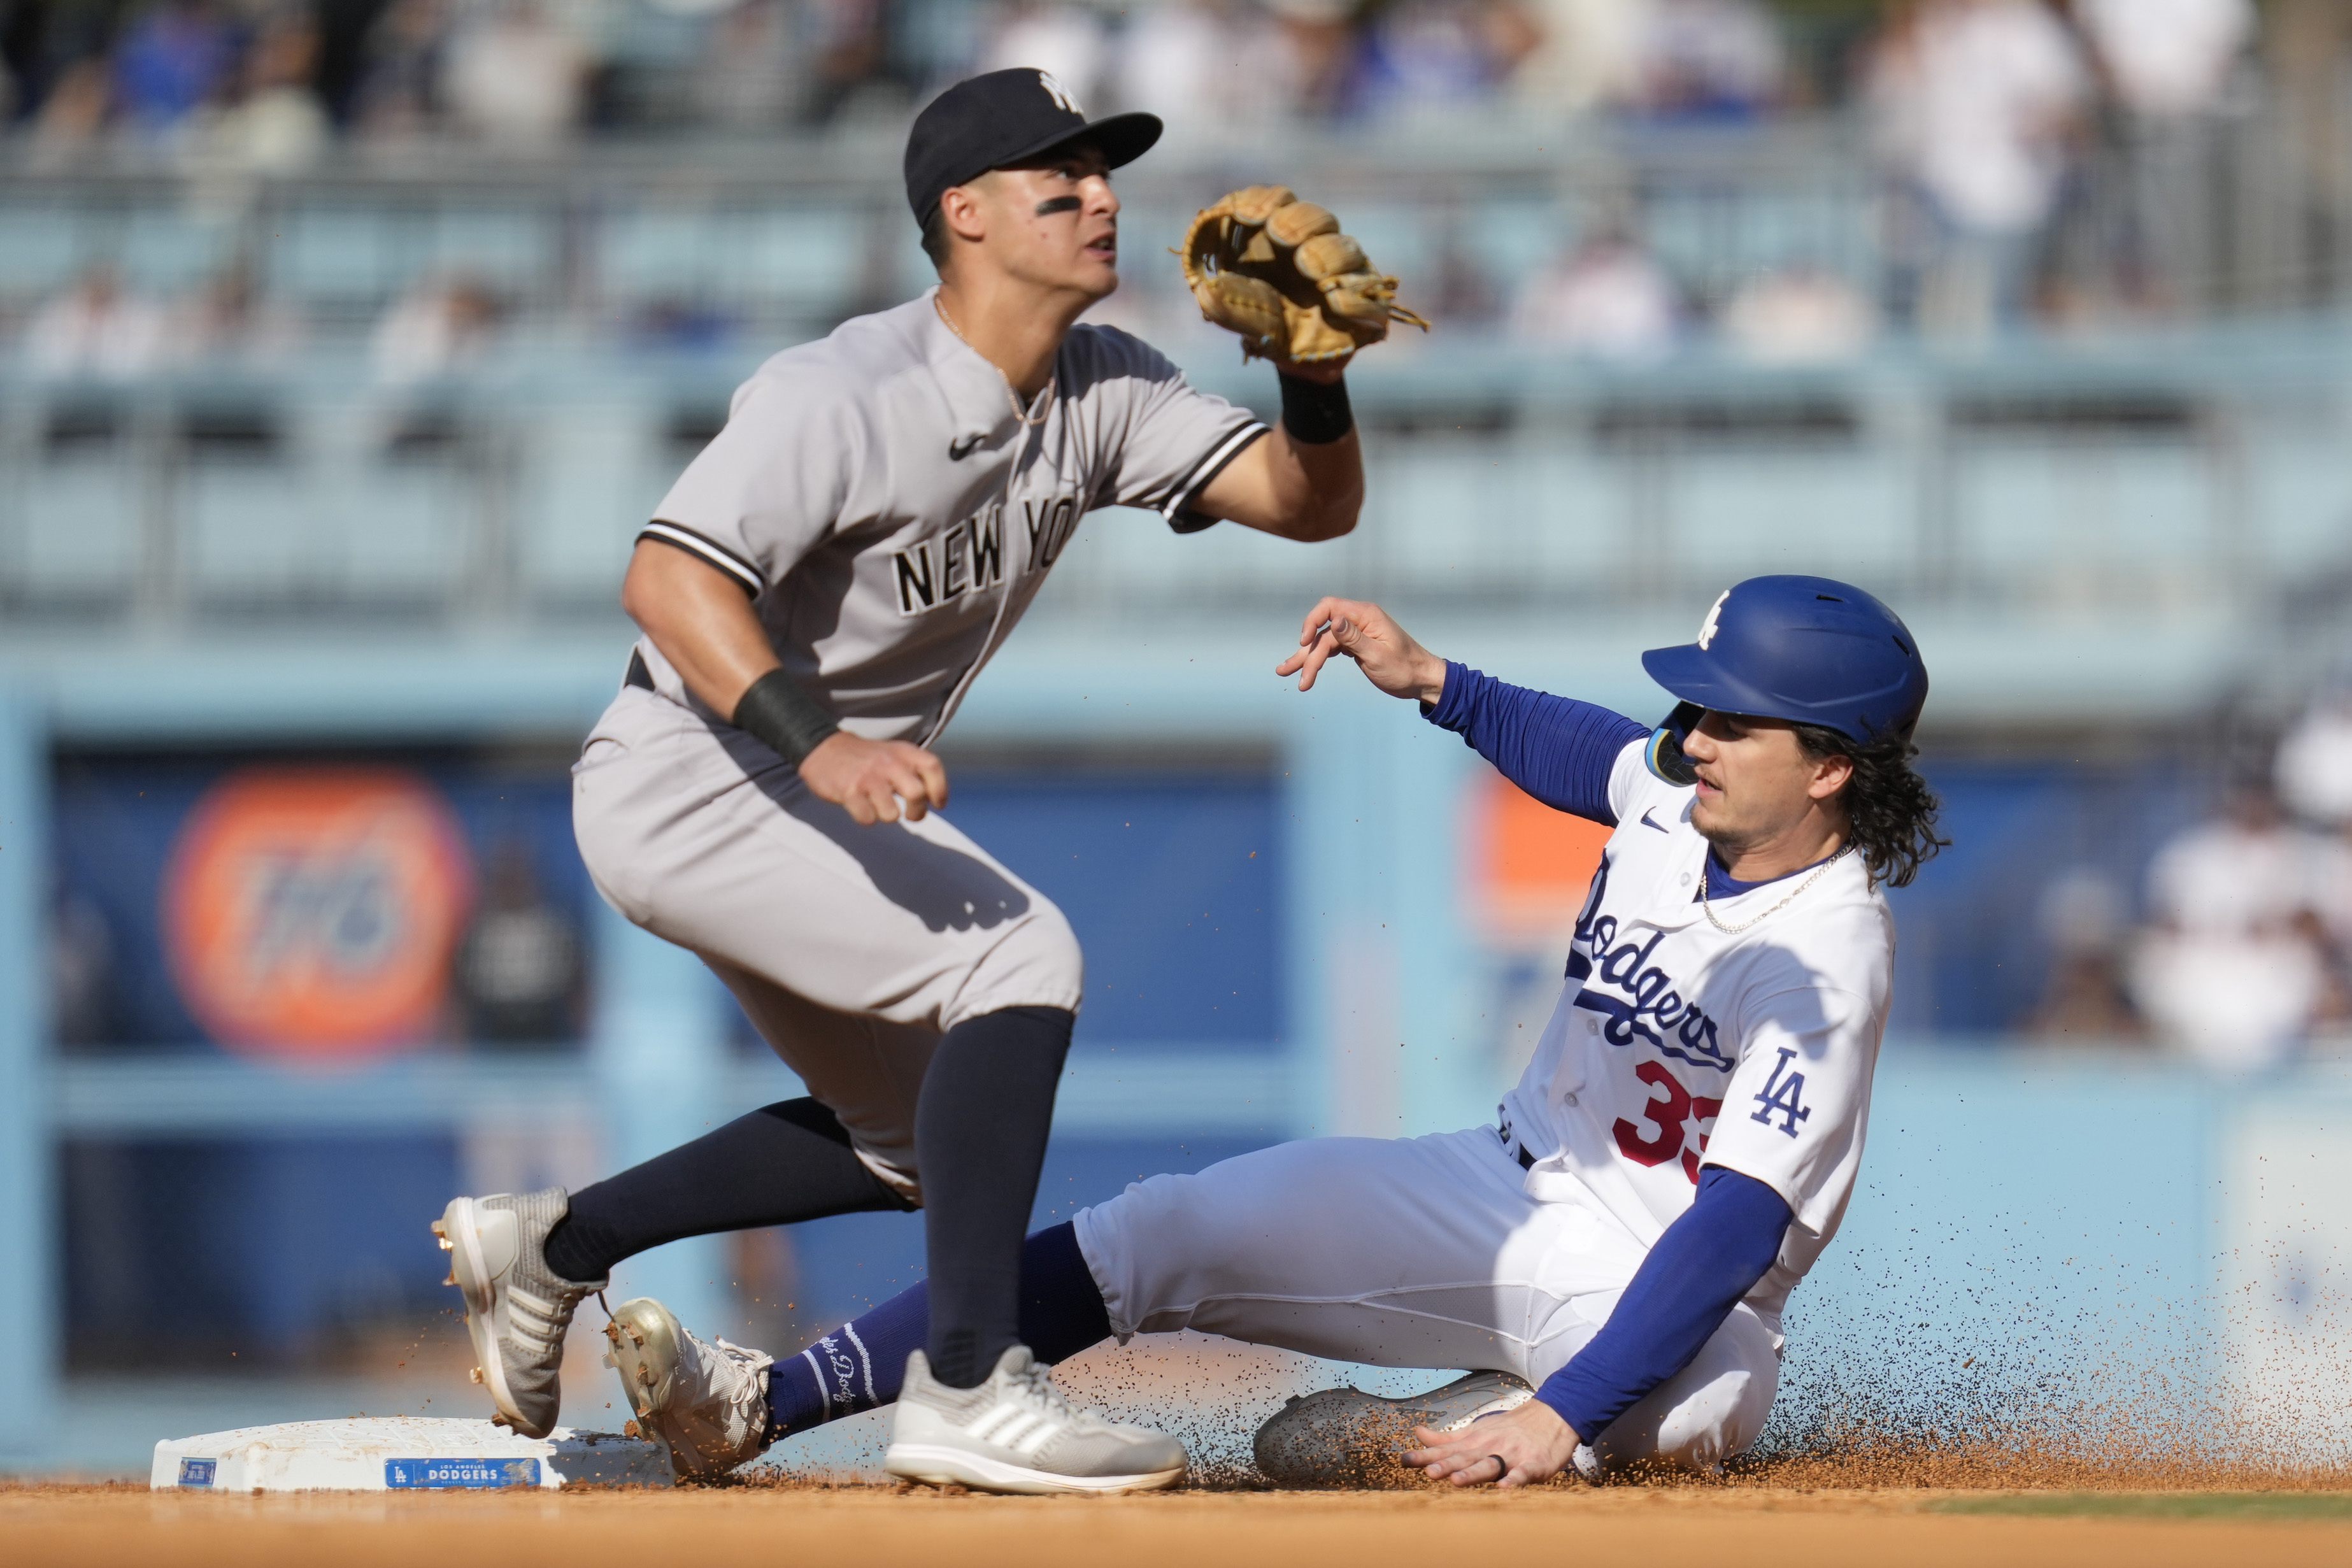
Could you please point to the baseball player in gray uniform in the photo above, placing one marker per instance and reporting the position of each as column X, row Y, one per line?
column 817, row 593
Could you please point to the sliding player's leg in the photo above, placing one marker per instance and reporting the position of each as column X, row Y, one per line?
column 718, row 1406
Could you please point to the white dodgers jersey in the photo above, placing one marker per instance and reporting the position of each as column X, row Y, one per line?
column 1677, row 1042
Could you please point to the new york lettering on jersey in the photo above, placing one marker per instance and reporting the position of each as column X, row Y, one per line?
column 941, row 570
column 969, row 557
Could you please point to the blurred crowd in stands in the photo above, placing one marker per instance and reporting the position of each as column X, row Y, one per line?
column 100, row 331
column 1977, row 97
column 272, row 81
column 2241, row 957
column 2001, row 138
column 1983, row 114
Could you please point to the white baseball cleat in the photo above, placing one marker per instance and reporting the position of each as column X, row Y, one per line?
column 1016, row 1434
column 709, row 1402
column 1344, row 1436
column 516, row 1309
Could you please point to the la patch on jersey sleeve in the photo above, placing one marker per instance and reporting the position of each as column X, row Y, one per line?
column 1794, row 1112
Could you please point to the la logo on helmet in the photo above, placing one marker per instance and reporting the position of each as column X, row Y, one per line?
column 1707, row 629
column 1059, row 94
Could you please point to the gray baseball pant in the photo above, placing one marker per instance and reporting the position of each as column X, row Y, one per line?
column 852, row 950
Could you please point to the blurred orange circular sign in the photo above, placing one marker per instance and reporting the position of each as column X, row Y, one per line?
column 311, row 912
column 1530, row 866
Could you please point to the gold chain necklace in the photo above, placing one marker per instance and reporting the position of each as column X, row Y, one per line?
column 1819, row 872
column 1045, row 403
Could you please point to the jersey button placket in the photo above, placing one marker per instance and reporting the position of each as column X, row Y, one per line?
column 1671, row 905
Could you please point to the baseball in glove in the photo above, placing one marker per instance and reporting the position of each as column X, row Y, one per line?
column 1279, row 271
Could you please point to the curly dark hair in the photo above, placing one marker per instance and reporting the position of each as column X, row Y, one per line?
column 1891, row 810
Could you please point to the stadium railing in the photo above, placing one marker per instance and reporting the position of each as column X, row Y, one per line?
column 2194, row 470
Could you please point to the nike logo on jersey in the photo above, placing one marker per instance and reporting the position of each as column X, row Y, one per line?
column 958, row 450
column 1647, row 821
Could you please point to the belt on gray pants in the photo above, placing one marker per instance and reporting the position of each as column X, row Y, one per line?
column 1517, row 1149
column 640, row 676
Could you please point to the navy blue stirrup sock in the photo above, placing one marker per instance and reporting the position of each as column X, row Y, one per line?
column 779, row 1165
column 860, row 1365
column 981, row 1125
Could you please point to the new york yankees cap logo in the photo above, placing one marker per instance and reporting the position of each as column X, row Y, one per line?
column 1060, row 94
column 1007, row 117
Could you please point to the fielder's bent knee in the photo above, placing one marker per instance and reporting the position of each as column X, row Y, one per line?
column 1036, row 963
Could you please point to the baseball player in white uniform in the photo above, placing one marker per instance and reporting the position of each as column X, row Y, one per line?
column 1677, row 1154
column 818, row 592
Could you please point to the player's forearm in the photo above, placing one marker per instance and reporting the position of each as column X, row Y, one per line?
column 1305, row 479
column 702, row 622
column 1317, row 437
column 1314, row 489
column 1332, row 478
column 1560, row 751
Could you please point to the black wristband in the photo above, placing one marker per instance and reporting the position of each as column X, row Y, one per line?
column 789, row 720
column 1314, row 413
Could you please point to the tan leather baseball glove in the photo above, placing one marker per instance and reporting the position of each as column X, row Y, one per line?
column 1279, row 271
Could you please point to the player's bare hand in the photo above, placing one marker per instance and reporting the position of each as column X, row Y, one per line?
column 1384, row 650
column 874, row 780
column 1516, row 1448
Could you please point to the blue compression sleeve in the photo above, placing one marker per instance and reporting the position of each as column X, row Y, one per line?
column 1707, row 1260
column 1557, row 749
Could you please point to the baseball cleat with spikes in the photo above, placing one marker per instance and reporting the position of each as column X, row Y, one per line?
column 1344, row 1436
column 516, row 1309
column 708, row 1402
column 1016, row 1434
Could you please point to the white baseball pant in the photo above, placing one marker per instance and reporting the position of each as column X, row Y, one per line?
column 1419, row 1252
column 851, row 949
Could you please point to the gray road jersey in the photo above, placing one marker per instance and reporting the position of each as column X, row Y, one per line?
column 892, row 513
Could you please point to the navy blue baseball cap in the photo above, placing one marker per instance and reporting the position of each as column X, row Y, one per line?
column 1812, row 650
column 1003, row 118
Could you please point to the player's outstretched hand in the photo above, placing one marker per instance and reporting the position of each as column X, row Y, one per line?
column 1516, row 1448
column 871, row 779
column 1384, row 650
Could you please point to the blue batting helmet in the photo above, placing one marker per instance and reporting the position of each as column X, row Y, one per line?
column 1808, row 649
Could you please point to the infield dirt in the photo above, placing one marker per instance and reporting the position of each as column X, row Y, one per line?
column 1920, row 1477
column 1764, row 1526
